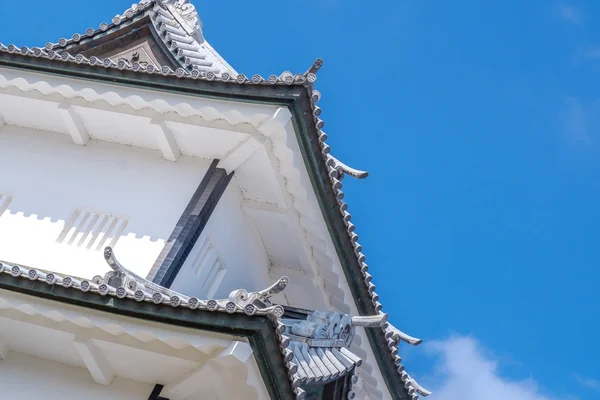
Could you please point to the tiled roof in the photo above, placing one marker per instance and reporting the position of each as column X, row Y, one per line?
column 171, row 20
column 286, row 78
column 141, row 290
column 321, row 345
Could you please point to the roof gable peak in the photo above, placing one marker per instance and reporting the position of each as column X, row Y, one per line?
column 185, row 13
column 161, row 33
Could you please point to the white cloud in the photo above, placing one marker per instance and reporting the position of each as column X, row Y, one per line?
column 581, row 120
column 588, row 382
column 571, row 14
column 592, row 53
column 576, row 119
column 466, row 372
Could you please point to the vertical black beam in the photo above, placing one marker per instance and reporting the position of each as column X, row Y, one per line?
column 190, row 225
column 155, row 395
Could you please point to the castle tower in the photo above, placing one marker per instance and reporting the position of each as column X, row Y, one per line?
column 171, row 229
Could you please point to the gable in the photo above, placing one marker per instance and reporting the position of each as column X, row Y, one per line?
column 134, row 43
column 155, row 33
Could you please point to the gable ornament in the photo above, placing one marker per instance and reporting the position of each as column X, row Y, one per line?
column 185, row 13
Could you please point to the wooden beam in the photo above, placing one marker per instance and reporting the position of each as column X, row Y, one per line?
column 155, row 395
column 94, row 360
column 74, row 124
column 166, row 141
column 240, row 153
column 190, row 225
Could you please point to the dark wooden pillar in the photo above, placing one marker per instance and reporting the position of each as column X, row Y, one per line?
column 190, row 226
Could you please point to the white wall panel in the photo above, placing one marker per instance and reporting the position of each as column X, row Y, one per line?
column 69, row 201
column 235, row 244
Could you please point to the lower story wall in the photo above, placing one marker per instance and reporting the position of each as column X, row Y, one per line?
column 24, row 377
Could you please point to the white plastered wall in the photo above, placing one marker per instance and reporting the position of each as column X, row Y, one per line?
column 46, row 177
column 230, row 239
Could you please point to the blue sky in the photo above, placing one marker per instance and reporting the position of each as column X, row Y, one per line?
column 480, row 126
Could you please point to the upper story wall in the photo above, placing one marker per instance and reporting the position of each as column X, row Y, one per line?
column 228, row 255
column 64, row 202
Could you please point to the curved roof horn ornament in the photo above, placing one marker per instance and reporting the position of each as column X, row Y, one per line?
column 261, row 298
column 315, row 67
column 419, row 389
column 397, row 335
column 345, row 169
column 130, row 279
column 370, row 321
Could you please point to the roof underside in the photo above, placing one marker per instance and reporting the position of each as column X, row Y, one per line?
column 223, row 317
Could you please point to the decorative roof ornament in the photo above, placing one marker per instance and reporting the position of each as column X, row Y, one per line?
column 321, row 346
column 121, row 276
column 261, row 298
column 315, row 66
column 330, row 328
column 370, row 321
column 345, row 169
column 185, row 13
column 397, row 335
column 239, row 300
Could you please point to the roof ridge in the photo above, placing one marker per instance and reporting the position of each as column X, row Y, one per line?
column 286, row 78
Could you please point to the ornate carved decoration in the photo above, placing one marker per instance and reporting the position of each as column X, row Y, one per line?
column 342, row 168
column 185, row 13
column 331, row 329
column 138, row 55
column 397, row 335
column 121, row 276
column 238, row 301
column 260, row 299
